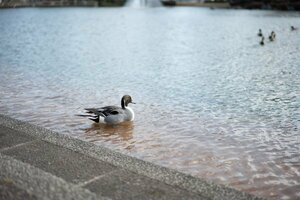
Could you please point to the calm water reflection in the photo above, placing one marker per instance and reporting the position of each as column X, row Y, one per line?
column 117, row 134
column 211, row 101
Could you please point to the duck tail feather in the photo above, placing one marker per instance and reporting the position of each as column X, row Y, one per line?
column 94, row 111
column 84, row 115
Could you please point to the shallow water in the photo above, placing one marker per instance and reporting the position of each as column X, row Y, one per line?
column 210, row 100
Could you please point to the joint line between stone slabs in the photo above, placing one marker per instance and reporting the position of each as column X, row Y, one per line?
column 18, row 145
column 95, row 178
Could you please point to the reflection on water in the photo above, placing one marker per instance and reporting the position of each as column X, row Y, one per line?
column 210, row 100
column 121, row 133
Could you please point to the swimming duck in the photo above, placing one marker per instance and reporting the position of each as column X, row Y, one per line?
column 293, row 28
column 262, row 41
column 259, row 33
column 112, row 114
column 272, row 36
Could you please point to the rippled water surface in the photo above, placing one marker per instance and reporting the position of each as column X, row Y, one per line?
column 210, row 100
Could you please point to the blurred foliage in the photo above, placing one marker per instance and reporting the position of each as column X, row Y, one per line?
column 111, row 2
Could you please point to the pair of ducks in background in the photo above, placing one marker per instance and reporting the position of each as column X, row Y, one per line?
column 271, row 37
column 112, row 115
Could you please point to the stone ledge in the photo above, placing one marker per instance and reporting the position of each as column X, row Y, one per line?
column 39, row 184
column 169, row 176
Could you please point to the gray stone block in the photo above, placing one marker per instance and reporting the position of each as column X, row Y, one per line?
column 9, row 191
column 10, row 137
column 123, row 184
column 71, row 166
column 41, row 184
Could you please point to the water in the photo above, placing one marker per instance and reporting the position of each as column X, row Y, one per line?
column 210, row 100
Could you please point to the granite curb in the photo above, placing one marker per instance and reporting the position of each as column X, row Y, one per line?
column 40, row 184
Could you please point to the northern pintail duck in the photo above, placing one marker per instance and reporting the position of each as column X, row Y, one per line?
column 112, row 114
column 262, row 41
column 272, row 36
column 259, row 33
column 293, row 28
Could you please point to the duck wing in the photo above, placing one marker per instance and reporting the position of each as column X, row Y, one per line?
column 105, row 111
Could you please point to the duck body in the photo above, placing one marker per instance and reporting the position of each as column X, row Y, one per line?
column 272, row 36
column 271, row 39
column 262, row 41
column 293, row 28
column 115, row 115
column 112, row 114
column 259, row 33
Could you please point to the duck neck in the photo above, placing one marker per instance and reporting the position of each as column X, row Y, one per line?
column 123, row 104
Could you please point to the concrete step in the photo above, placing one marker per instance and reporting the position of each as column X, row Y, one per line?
column 46, row 165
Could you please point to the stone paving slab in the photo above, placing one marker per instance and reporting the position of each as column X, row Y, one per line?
column 71, row 166
column 122, row 184
column 142, row 180
column 10, row 137
column 41, row 184
column 9, row 191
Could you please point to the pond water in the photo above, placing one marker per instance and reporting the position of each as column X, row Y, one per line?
column 210, row 100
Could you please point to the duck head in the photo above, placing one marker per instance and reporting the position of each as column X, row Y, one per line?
column 126, row 99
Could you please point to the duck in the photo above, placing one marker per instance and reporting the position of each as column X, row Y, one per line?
column 272, row 36
column 262, row 41
column 293, row 28
column 112, row 115
column 259, row 33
